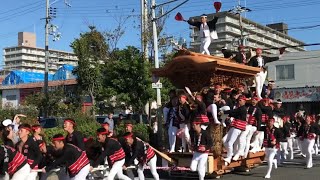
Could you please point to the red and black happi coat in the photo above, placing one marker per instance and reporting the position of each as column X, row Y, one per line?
column 11, row 160
column 30, row 149
column 112, row 150
column 254, row 116
column 271, row 135
column 76, row 138
column 308, row 131
column 73, row 157
column 266, row 114
column 140, row 151
column 240, row 117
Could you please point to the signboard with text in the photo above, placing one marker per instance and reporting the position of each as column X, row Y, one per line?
column 298, row 94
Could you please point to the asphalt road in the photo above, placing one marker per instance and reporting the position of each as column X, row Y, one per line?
column 290, row 170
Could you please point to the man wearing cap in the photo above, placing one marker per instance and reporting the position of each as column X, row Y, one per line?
column 143, row 153
column 29, row 148
column 237, row 126
column 73, row 157
column 74, row 137
column 271, row 144
column 183, row 115
column 207, row 31
column 201, row 145
column 261, row 61
column 242, row 57
column 112, row 150
column 13, row 165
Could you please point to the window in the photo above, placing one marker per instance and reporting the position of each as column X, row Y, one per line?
column 11, row 97
column 285, row 72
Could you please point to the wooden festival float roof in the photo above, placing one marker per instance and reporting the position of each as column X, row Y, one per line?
column 196, row 71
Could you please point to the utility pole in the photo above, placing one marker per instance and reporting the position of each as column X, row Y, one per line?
column 50, row 29
column 238, row 10
column 155, row 45
column 46, row 69
column 156, row 58
column 144, row 28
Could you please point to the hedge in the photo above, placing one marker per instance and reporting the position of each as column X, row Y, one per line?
column 85, row 124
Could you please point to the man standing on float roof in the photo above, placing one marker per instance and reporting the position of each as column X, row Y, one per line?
column 207, row 31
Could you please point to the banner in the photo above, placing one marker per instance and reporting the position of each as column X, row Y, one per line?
column 298, row 94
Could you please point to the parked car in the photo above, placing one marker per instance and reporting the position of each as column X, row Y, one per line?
column 51, row 122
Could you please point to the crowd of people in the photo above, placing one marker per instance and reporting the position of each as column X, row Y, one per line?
column 251, row 124
column 25, row 155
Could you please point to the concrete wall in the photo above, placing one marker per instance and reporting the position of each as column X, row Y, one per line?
column 10, row 98
column 306, row 69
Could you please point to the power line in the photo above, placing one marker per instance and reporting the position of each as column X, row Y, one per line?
column 24, row 12
column 21, row 7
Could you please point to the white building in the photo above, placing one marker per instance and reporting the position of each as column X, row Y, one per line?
column 256, row 35
column 27, row 57
column 297, row 79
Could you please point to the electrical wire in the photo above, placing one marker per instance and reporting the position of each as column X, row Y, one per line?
column 21, row 13
column 21, row 7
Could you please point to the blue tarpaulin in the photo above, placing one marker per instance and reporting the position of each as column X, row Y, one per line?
column 21, row 77
column 64, row 73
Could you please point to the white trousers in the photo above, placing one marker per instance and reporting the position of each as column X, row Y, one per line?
column 258, row 141
column 172, row 133
column 198, row 163
column 290, row 146
column 83, row 173
column 259, row 80
column 212, row 108
column 243, row 142
column 22, row 174
column 230, row 139
column 205, row 43
column 307, row 147
column 252, row 130
column 186, row 135
column 270, row 154
column 117, row 170
column 282, row 152
column 32, row 175
column 300, row 146
column 153, row 168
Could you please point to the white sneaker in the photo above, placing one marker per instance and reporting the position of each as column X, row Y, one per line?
column 227, row 160
column 236, row 157
column 267, row 176
column 275, row 162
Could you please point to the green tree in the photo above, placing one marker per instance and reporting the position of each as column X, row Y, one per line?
column 127, row 77
column 56, row 104
column 91, row 49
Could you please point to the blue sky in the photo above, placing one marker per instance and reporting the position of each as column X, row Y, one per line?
column 25, row 15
